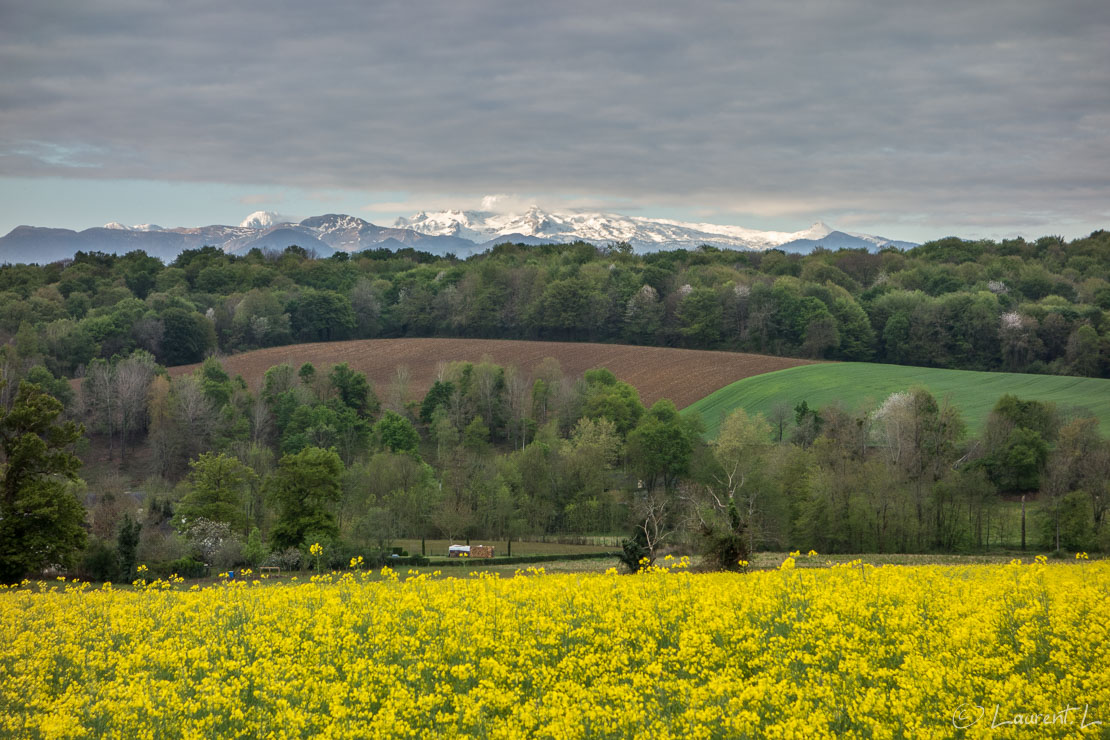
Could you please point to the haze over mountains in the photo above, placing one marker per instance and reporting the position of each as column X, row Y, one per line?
column 453, row 231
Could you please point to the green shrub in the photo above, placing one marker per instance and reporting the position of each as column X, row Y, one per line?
column 99, row 563
column 633, row 551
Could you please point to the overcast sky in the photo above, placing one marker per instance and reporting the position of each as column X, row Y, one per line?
column 910, row 120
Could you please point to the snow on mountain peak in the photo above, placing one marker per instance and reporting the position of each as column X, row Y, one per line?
column 507, row 218
column 819, row 230
column 117, row 226
column 465, row 224
column 599, row 228
column 262, row 220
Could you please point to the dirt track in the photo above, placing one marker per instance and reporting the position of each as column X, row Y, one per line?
column 682, row 375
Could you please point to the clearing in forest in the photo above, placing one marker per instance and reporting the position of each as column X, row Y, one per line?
column 682, row 375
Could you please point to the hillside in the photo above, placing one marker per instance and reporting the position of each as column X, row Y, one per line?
column 858, row 384
column 1035, row 308
column 682, row 375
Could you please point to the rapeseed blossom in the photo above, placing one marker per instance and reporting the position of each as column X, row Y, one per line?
column 848, row 651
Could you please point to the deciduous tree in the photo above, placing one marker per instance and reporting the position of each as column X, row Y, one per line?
column 304, row 489
column 219, row 485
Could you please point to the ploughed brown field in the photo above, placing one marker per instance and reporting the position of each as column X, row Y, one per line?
column 682, row 375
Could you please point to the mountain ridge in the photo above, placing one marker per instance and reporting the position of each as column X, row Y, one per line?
column 458, row 232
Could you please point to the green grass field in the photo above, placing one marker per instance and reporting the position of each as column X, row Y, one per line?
column 864, row 385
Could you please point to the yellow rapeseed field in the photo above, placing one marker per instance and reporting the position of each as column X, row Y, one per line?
column 801, row 652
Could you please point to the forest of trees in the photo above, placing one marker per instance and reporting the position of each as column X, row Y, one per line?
column 206, row 468
column 1039, row 307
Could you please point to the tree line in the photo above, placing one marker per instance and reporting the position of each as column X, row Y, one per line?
column 205, row 469
column 1039, row 307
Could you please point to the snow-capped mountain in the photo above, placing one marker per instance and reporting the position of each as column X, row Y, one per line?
column 117, row 226
column 263, row 220
column 644, row 234
column 462, row 233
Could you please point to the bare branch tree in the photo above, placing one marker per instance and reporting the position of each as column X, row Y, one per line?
column 518, row 391
column 654, row 514
column 99, row 393
column 133, row 377
column 399, row 389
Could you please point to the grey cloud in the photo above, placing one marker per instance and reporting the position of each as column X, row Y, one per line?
column 947, row 109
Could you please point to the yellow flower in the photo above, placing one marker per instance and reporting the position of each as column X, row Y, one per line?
column 811, row 653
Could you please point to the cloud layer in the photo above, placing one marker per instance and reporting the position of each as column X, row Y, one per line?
column 974, row 116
